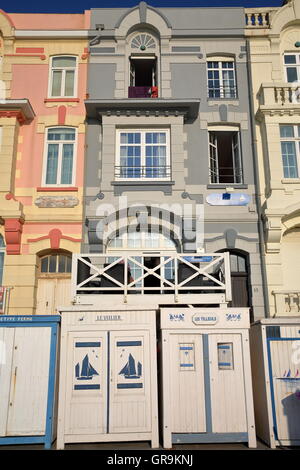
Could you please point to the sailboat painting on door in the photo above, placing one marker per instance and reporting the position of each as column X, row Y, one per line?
column 87, row 365
column 131, row 370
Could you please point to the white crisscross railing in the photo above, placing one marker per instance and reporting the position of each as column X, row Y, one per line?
column 165, row 274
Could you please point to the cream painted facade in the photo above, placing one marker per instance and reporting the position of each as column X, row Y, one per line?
column 272, row 34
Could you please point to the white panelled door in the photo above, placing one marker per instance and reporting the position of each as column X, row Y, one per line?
column 228, row 408
column 24, row 379
column 286, row 387
column 108, row 389
column 187, row 383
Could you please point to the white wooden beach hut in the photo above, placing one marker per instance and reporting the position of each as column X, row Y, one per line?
column 275, row 355
column 108, row 376
column 28, row 357
column 206, row 376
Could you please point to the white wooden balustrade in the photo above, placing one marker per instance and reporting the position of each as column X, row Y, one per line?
column 287, row 302
column 155, row 278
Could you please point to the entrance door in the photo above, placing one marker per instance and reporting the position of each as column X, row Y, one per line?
column 207, row 393
column 239, row 281
column 285, row 388
column 227, row 389
column 54, row 283
column 187, row 384
column 108, row 383
column 24, row 382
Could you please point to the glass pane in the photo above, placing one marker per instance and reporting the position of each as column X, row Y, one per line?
column 44, row 264
column 286, row 131
column 61, row 133
column 64, row 62
column 52, row 264
column 290, row 59
column 289, row 159
column 56, row 83
column 69, row 264
column 241, row 264
column 291, row 74
column 67, row 164
column 62, row 264
column 233, row 263
column 52, row 164
column 69, row 83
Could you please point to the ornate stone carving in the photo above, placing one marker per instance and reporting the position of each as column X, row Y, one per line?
column 56, row 201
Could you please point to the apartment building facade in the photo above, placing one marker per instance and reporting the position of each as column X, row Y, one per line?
column 169, row 163
column 43, row 67
column 273, row 41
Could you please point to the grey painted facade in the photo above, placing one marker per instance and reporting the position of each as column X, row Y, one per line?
column 185, row 39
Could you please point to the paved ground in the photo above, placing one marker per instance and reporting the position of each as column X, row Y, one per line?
column 142, row 446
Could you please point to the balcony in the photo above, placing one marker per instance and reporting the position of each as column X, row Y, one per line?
column 142, row 173
column 153, row 278
column 287, row 303
column 259, row 18
column 279, row 97
column 142, row 92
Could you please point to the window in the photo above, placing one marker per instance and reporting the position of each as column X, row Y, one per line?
column 63, row 76
column 290, row 141
column 143, row 155
column 60, row 150
column 56, row 264
column 2, row 251
column 225, row 157
column 292, row 67
column 221, row 79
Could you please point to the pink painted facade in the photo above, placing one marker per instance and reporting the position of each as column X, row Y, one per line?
column 39, row 218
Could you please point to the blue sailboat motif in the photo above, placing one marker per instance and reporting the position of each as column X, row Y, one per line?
column 87, row 371
column 130, row 371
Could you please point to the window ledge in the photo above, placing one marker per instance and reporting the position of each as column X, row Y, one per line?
column 157, row 185
column 225, row 186
column 290, row 181
column 57, row 189
column 61, row 99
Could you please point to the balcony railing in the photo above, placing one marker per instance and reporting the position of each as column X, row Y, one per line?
column 222, row 92
column 259, row 18
column 226, row 175
column 4, row 299
column 159, row 277
column 280, row 94
column 287, row 302
column 143, row 172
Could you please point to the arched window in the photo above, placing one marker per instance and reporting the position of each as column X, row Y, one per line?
column 56, row 264
column 143, row 42
column 2, row 252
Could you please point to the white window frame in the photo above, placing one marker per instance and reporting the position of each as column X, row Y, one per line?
column 212, row 146
column 296, row 140
column 2, row 254
column 143, row 155
column 296, row 65
column 60, row 144
column 63, row 81
column 220, row 69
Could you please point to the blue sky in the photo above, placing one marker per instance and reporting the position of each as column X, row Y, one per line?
column 78, row 6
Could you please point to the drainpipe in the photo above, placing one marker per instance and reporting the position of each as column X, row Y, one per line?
column 256, row 179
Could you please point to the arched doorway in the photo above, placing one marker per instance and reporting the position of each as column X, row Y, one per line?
column 239, row 280
column 54, row 282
